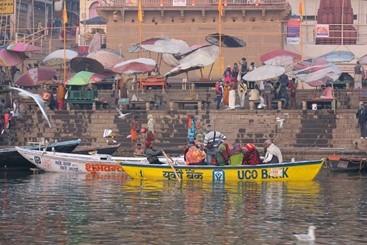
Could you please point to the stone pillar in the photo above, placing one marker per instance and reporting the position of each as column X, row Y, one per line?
column 171, row 105
column 304, row 105
column 200, row 105
column 252, row 105
column 333, row 105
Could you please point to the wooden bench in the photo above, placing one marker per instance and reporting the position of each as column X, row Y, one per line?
column 153, row 81
column 321, row 104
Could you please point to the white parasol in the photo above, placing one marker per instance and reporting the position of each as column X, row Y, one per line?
column 135, row 66
column 199, row 58
column 265, row 72
column 57, row 57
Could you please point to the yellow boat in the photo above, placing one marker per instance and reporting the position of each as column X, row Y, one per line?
column 290, row 171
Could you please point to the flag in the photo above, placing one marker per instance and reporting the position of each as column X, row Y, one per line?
column 301, row 8
column 64, row 14
column 220, row 7
column 140, row 11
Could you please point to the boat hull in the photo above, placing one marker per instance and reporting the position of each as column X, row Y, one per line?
column 11, row 160
column 295, row 171
column 71, row 163
column 347, row 165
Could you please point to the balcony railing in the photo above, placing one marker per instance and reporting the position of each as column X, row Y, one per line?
column 190, row 3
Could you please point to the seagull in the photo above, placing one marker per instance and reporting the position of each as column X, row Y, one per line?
column 37, row 98
column 280, row 122
column 122, row 115
column 309, row 237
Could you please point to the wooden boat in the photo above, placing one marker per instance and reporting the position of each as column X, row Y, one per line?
column 337, row 163
column 290, row 171
column 108, row 149
column 71, row 163
column 10, row 159
column 79, row 163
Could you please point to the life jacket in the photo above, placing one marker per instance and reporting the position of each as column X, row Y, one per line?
column 251, row 156
column 194, row 156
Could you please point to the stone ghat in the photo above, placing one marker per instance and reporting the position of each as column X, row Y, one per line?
column 296, row 132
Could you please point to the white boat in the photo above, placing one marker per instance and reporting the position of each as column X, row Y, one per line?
column 78, row 163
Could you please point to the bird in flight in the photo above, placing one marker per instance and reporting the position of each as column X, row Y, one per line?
column 122, row 115
column 309, row 237
column 37, row 98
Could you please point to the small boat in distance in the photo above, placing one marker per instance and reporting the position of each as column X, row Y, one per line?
column 10, row 159
column 338, row 163
column 71, row 163
column 289, row 171
column 80, row 163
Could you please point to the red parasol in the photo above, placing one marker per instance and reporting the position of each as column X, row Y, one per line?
column 107, row 58
column 280, row 57
column 23, row 47
column 35, row 77
column 9, row 58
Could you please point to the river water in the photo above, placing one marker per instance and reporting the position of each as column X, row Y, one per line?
column 78, row 209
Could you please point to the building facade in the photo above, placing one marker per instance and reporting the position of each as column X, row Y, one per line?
column 347, row 15
column 259, row 23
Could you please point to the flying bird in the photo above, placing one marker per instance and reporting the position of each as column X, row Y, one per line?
column 122, row 115
column 309, row 237
column 37, row 98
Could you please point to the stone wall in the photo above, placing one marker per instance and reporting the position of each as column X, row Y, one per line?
column 240, row 126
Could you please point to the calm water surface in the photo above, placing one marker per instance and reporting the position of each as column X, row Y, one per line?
column 63, row 209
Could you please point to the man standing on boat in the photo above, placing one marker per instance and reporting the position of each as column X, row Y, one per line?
column 273, row 153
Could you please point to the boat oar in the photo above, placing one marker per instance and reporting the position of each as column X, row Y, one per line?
column 170, row 162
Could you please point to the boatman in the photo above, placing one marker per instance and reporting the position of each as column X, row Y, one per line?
column 273, row 153
column 152, row 154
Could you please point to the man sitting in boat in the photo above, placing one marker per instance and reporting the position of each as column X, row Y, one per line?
column 273, row 153
column 223, row 153
column 152, row 154
column 251, row 155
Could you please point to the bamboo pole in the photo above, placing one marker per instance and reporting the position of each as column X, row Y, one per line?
column 221, row 59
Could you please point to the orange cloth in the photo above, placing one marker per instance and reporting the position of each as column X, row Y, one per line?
column 60, row 92
column 134, row 135
column 226, row 95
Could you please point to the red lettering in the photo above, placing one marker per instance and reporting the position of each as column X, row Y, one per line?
column 96, row 167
